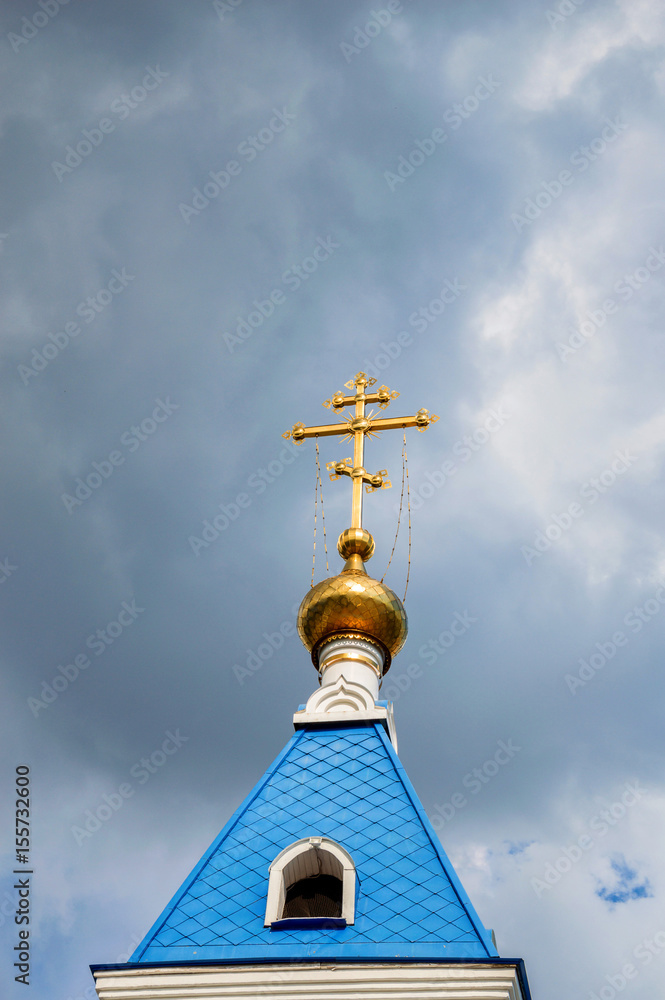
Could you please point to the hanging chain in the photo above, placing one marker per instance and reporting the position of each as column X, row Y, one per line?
column 408, row 507
column 323, row 513
column 399, row 516
column 319, row 488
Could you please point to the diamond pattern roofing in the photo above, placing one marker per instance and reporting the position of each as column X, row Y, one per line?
column 347, row 783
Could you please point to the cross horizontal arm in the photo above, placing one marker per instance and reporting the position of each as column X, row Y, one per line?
column 384, row 397
column 298, row 432
column 373, row 481
column 422, row 419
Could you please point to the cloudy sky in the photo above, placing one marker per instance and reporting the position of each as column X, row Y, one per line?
column 214, row 215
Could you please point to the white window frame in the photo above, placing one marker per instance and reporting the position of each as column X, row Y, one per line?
column 301, row 860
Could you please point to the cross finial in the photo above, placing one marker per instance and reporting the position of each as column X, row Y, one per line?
column 357, row 426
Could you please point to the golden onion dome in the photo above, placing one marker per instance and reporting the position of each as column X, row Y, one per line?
column 353, row 603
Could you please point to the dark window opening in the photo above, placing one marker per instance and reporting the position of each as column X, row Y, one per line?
column 316, row 896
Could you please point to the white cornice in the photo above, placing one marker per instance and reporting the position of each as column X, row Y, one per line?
column 333, row 704
column 314, row 981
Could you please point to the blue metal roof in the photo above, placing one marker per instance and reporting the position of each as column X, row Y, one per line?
column 347, row 783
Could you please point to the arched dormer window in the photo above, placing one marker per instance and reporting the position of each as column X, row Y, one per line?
column 312, row 879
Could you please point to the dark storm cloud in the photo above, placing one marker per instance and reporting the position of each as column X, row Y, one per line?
column 409, row 159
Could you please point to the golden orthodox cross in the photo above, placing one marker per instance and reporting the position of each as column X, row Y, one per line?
column 356, row 427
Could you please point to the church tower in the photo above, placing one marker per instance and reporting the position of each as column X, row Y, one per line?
column 329, row 880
